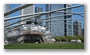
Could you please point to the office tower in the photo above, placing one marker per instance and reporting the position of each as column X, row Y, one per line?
column 7, row 8
column 28, row 10
column 63, row 24
column 38, row 18
column 77, row 28
column 38, row 9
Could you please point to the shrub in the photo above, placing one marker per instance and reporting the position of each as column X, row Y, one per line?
column 68, row 38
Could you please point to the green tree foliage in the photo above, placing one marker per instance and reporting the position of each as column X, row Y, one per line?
column 68, row 38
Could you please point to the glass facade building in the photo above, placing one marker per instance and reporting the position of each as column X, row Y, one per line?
column 63, row 24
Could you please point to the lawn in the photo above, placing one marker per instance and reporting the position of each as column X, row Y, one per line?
column 45, row 46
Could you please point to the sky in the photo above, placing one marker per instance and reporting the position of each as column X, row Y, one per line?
column 80, row 9
column 12, row 6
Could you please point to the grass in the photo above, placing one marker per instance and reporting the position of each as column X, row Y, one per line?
column 45, row 46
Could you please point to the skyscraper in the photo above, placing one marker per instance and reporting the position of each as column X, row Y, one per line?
column 38, row 9
column 28, row 10
column 61, row 27
column 7, row 8
column 77, row 28
column 38, row 19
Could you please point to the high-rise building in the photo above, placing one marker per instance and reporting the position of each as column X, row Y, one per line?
column 38, row 19
column 30, row 10
column 27, row 10
column 61, row 27
column 38, row 9
column 77, row 28
column 7, row 8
